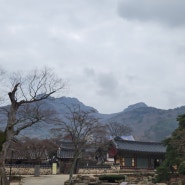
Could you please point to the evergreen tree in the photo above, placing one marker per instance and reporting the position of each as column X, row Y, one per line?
column 175, row 152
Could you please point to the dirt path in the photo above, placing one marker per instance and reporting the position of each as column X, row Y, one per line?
column 45, row 180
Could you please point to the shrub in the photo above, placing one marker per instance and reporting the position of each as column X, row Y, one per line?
column 163, row 173
column 15, row 178
column 181, row 168
column 112, row 178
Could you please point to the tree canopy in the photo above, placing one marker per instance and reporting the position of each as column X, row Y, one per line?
column 25, row 93
column 175, row 152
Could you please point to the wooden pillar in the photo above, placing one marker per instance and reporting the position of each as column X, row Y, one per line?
column 135, row 160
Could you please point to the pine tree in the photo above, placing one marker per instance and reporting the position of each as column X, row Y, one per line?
column 175, row 152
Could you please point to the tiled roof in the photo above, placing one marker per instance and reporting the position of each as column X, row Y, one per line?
column 138, row 146
column 129, row 137
column 65, row 154
column 67, row 145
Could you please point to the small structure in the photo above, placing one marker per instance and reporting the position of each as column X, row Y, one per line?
column 67, row 149
column 66, row 152
column 136, row 154
column 65, row 155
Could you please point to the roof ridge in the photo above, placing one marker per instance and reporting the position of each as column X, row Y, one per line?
column 142, row 142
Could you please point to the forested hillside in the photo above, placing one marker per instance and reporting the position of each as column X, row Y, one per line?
column 147, row 123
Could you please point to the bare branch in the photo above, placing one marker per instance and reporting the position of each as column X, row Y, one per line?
column 36, row 86
column 26, row 92
column 79, row 126
column 118, row 129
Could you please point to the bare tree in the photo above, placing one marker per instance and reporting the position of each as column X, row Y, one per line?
column 118, row 129
column 80, row 125
column 33, row 150
column 26, row 93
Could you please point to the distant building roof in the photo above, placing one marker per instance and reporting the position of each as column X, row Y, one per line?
column 129, row 137
column 138, row 146
column 65, row 154
column 67, row 149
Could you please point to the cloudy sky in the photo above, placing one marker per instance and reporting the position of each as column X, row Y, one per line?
column 113, row 53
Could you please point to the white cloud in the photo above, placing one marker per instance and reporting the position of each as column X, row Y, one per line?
column 113, row 53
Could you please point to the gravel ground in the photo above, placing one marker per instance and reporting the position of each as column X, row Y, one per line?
column 43, row 180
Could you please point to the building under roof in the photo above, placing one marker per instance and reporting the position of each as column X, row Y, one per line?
column 140, row 147
column 136, row 154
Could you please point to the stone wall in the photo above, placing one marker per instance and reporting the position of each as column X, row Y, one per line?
column 28, row 170
column 98, row 170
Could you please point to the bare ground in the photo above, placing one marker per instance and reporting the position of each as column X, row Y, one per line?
column 42, row 180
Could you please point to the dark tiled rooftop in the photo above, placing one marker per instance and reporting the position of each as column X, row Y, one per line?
column 65, row 153
column 138, row 146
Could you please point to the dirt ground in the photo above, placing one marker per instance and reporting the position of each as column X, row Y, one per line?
column 43, row 180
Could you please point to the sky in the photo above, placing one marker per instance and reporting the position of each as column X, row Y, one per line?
column 113, row 53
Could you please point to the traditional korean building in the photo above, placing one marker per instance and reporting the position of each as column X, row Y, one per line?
column 65, row 155
column 136, row 154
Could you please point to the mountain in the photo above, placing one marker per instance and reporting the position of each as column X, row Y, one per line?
column 147, row 123
column 135, row 106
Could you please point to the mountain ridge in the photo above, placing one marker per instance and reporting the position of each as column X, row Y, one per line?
column 135, row 106
column 148, row 123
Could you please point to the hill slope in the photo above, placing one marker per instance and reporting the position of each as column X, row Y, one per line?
column 148, row 123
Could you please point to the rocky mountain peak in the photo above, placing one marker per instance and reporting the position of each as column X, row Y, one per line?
column 135, row 106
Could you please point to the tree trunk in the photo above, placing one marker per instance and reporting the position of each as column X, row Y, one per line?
column 8, row 134
column 3, row 175
column 72, row 170
column 3, row 154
